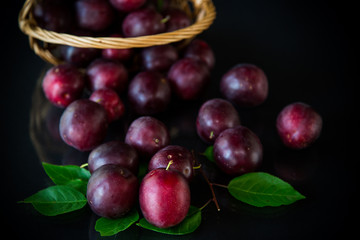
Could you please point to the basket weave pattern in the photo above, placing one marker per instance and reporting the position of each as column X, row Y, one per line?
column 203, row 11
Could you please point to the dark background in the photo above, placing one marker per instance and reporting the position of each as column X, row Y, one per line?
column 306, row 48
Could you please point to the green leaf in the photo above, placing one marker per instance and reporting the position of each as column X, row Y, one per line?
column 57, row 200
column 209, row 153
column 109, row 227
column 69, row 175
column 188, row 225
column 262, row 189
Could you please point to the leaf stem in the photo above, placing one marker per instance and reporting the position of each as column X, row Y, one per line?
column 211, row 188
column 219, row 185
column 207, row 203
column 208, row 182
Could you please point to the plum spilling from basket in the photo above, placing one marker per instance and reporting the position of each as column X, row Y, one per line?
column 298, row 125
column 98, row 88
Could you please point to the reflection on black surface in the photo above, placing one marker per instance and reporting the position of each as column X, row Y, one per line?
column 296, row 167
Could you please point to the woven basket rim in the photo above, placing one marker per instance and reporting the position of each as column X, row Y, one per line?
column 206, row 11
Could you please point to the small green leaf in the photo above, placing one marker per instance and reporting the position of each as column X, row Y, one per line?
column 262, row 189
column 57, row 200
column 209, row 153
column 188, row 225
column 109, row 227
column 69, row 175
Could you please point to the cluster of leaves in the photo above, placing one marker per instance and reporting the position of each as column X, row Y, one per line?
column 69, row 194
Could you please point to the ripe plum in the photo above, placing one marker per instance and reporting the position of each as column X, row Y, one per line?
column 188, row 78
column 238, row 150
column 114, row 152
column 63, row 84
column 147, row 135
column 149, row 93
column 83, row 124
column 214, row 116
column 103, row 73
column 94, row 15
column 146, row 21
column 159, row 58
column 298, row 125
column 164, row 197
column 245, row 84
column 112, row 191
column 182, row 160
column 111, row 101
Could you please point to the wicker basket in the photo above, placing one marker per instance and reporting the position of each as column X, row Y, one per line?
column 203, row 12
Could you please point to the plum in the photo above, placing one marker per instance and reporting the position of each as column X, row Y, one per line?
column 238, row 150
column 83, row 124
column 103, row 73
column 188, row 78
column 149, row 93
column 298, row 125
column 111, row 101
column 181, row 159
column 245, row 84
column 94, row 15
column 114, row 152
column 112, row 191
column 164, row 197
column 147, row 135
column 63, row 84
column 141, row 22
column 214, row 116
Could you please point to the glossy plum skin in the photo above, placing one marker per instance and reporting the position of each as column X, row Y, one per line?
column 164, row 197
column 149, row 93
column 177, row 19
column 159, row 58
column 127, row 5
column 200, row 50
column 53, row 15
column 237, row 151
column 121, row 55
column 214, row 116
column 111, row 101
column 79, row 57
column 63, row 84
column 112, row 191
column 146, row 21
column 103, row 73
column 83, row 124
column 114, row 152
column 298, row 125
column 182, row 160
column 94, row 15
column 188, row 78
column 147, row 135
column 245, row 84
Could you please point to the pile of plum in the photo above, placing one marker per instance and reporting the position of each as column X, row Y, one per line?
column 93, row 91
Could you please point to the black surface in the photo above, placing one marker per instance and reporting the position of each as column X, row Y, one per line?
column 304, row 47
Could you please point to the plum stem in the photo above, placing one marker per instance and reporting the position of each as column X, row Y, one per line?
column 84, row 165
column 170, row 162
column 197, row 167
column 165, row 19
